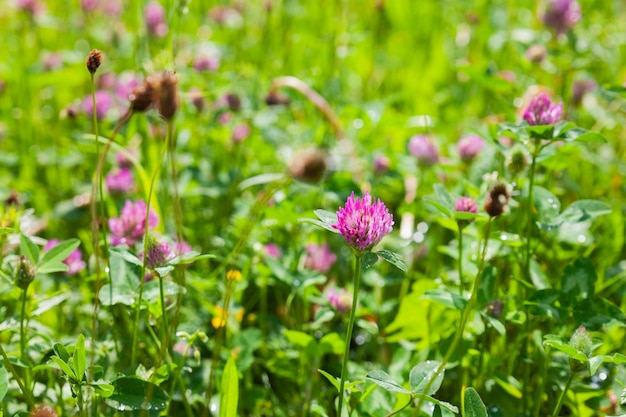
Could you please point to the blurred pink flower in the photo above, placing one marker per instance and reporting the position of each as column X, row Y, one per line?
column 561, row 15
column 120, row 181
column 319, row 257
column 32, row 7
column 89, row 5
column 470, row 146
column 155, row 19
column 363, row 223
column 131, row 225
column 423, row 149
column 125, row 85
column 466, row 205
column 240, row 132
column 74, row 260
column 340, row 300
column 103, row 104
column 52, row 61
column 158, row 254
column 273, row 251
column 206, row 62
column 181, row 248
column 381, row 164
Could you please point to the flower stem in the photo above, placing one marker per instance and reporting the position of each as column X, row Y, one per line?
column 559, row 404
column 464, row 318
column 358, row 260
column 23, row 338
column 8, row 365
column 460, row 260
column 143, row 266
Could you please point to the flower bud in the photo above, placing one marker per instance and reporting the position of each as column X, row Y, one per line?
column 581, row 341
column 94, row 60
column 168, row 96
column 141, row 97
column 517, row 160
column 25, row 273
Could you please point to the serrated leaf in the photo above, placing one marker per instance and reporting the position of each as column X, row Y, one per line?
column 333, row 380
column 29, row 249
column 421, row 375
column 369, row 259
column 472, row 404
column 229, row 395
column 393, row 258
column 57, row 255
column 385, row 381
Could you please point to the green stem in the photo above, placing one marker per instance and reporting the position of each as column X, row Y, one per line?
column 143, row 265
column 11, row 368
column 165, row 327
column 358, row 260
column 460, row 259
column 559, row 404
column 464, row 318
column 393, row 413
column 529, row 226
column 22, row 328
column 79, row 399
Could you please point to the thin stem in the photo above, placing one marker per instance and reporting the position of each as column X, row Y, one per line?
column 22, row 328
column 79, row 399
column 529, row 226
column 393, row 413
column 460, row 259
column 559, row 404
column 358, row 259
column 8, row 365
column 143, row 265
column 464, row 318
column 165, row 327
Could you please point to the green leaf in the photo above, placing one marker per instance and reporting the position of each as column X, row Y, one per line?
column 29, row 249
column 579, row 279
column 6, row 230
column 124, row 254
column 332, row 343
column 393, row 258
column 472, row 404
column 579, row 134
column 191, row 257
column 124, row 281
column 103, row 389
column 4, row 382
column 594, row 364
column 495, row 323
column 61, row 352
column 441, row 404
column 369, row 260
column 56, row 256
column 132, row 393
column 557, row 344
column 229, row 395
column 334, row 381
column 546, row 203
column 420, row 377
column 444, row 198
column 442, row 209
column 164, row 270
column 49, row 303
column 298, row 338
column 447, row 298
column 319, row 223
column 383, row 380
column 80, row 358
column 64, row 367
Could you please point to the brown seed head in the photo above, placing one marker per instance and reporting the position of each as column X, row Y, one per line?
column 43, row 411
column 167, row 94
column 497, row 199
column 274, row 98
column 94, row 60
column 308, row 166
column 141, row 97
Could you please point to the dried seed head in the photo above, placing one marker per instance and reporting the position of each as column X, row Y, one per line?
column 308, row 166
column 141, row 97
column 43, row 410
column 274, row 98
column 497, row 199
column 94, row 60
column 167, row 94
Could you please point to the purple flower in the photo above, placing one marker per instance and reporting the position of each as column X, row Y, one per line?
column 74, row 260
column 32, row 7
column 470, row 146
column 465, row 204
column 52, row 61
column 362, row 223
column 381, row 164
column 561, row 15
column 319, row 257
column 340, row 300
column 240, row 133
column 131, row 225
column 423, row 149
column 120, row 181
column 126, row 83
column 103, row 104
column 541, row 111
column 197, row 98
column 158, row 253
column 89, row 5
column 206, row 62
column 155, row 19
column 273, row 251
column 580, row 88
column 181, row 248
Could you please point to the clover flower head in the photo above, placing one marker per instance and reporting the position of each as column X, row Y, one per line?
column 466, row 205
column 131, row 225
column 120, row 181
column 319, row 257
column 421, row 147
column 340, row 300
column 157, row 253
column 470, row 146
column 541, row 111
column 155, row 19
column 104, row 102
column 363, row 222
column 561, row 15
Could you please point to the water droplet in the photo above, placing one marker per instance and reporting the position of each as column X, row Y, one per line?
column 581, row 238
column 503, row 237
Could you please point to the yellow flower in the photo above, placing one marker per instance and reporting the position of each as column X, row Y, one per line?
column 233, row 275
